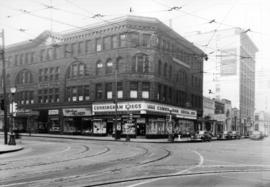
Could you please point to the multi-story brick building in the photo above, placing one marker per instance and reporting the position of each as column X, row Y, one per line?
column 69, row 82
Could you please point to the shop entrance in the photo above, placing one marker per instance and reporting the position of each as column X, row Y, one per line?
column 140, row 129
column 110, row 128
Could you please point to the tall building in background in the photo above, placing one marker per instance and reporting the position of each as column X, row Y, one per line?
column 230, row 70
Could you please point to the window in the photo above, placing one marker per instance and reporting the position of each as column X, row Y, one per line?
column 86, row 93
column 76, row 70
column 80, row 47
column 66, row 50
column 165, row 70
column 109, row 65
column 123, row 38
column 145, row 90
column 159, row 92
column 159, row 67
column 21, row 59
column 146, row 40
column 134, row 39
column 170, row 72
column 88, row 46
column 73, row 49
column 99, row 91
column 80, row 93
column 99, row 67
column 98, row 44
column 81, row 69
column 134, row 90
column 114, row 41
column 16, row 60
column 74, row 93
column 26, row 58
column 107, row 43
column 24, row 77
column 140, row 63
column 119, row 90
column 109, row 90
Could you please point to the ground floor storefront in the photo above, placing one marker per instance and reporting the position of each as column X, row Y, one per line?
column 131, row 118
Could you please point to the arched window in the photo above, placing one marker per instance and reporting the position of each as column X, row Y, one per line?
column 24, row 77
column 99, row 67
column 140, row 63
column 76, row 69
column 109, row 66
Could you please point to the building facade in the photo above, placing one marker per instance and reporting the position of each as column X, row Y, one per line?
column 262, row 122
column 133, row 70
column 230, row 70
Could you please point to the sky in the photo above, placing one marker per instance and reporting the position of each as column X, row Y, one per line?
column 26, row 19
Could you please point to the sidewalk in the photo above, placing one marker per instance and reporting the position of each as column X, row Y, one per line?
column 9, row 148
column 105, row 138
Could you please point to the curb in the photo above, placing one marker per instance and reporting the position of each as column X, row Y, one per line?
column 11, row 150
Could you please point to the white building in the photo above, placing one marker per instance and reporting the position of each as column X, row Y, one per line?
column 262, row 122
column 230, row 70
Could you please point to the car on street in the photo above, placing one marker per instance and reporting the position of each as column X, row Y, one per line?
column 256, row 135
column 225, row 135
column 201, row 136
column 236, row 135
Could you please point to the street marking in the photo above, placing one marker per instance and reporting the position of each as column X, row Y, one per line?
column 180, row 172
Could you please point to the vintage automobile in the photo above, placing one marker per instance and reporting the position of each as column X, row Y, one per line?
column 256, row 135
column 236, row 135
column 225, row 135
column 201, row 136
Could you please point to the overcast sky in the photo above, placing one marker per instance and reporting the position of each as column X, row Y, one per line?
column 25, row 19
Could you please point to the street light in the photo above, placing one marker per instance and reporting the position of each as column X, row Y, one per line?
column 12, row 136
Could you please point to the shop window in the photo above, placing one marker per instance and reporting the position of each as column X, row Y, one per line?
column 123, row 40
column 145, row 90
column 99, row 91
column 99, row 67
column 119, row 90
column 109, row 65
column 134, row 90
column 134, row 39
column 140, row 63
column 107, row 43
column 114, row 41
column 98, row 44
column 109, row 90
column 146, row 40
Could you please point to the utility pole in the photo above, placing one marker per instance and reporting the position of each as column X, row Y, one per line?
column 4, row 88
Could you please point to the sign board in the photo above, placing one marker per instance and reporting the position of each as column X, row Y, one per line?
column 145, row 106
column 53, row 112
column 77, row 112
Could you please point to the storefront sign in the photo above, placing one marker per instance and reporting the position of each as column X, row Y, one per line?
column 26, row 112
column 53, row 112
column 144, row 106
column 77, row 112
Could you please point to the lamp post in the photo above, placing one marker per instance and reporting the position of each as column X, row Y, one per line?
column 116, row 135
column 170, row 128
column 12, row 136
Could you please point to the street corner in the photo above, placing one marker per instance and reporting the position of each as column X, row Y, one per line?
column 10, row 148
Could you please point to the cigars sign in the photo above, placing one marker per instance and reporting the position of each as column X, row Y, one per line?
column 143, row 107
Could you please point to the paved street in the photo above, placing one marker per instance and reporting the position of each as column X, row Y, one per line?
column 64, row 162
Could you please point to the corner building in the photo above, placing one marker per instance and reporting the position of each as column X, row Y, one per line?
column 71, row 82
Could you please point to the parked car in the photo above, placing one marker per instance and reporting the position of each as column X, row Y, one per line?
column 256, row 135
column 201, row 136
column 225, row 135
column 236, row 135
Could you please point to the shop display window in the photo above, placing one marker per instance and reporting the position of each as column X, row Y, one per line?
column 99, row 127
column 156, row 126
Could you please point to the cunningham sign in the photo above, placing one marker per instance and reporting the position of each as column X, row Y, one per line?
column 143, row 107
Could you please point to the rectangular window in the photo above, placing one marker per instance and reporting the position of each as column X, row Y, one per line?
column 134, row 39
column 16, row 60
column 80, row 93
column 81, row 69
column 99, row 91
column 98, row 44
column 80, row 47
column 86, row 93
column 73, row 49
column 88, row 46
column 74, row 70
column 134, row 90
column 107, row 43
column 119, row 90
column 66, row 50
column 26, row 58
column 145, row 90
column 21, row 59
column 109, row 90
column 74, row 94
column 114, row 41
column 146, row 40
column 123, row 40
